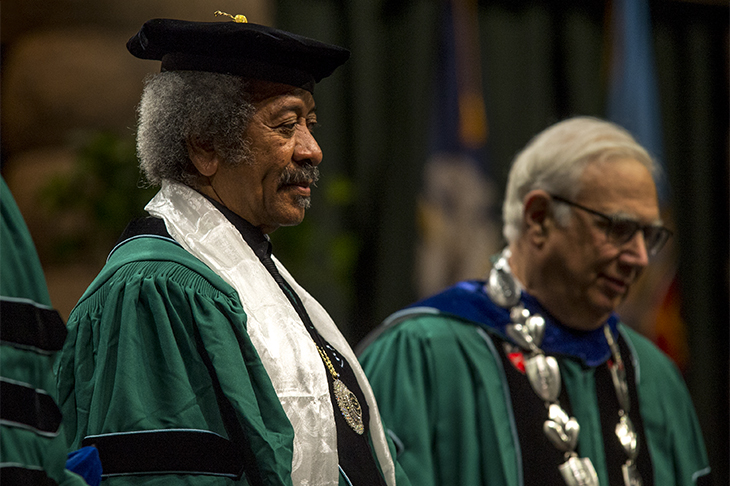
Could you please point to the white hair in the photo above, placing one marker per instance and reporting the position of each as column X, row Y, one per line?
column 554, row 161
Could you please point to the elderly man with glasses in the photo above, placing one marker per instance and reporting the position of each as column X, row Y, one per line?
column 529, row 377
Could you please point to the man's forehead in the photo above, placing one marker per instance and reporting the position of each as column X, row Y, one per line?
column 260, row 91
column 622, row 187
column 617, row 172
column 277, row 101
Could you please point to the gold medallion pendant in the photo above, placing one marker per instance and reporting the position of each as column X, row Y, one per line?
column 346, row 400
column 349, row 406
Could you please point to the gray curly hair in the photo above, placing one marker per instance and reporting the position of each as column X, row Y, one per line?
column 554, row 161
column 178, row 107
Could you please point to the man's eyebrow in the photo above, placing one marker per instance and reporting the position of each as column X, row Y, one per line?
column 623, row 215
column 296, row 107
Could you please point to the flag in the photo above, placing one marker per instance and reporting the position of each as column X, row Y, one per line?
column 457, row 220
column 654, row 306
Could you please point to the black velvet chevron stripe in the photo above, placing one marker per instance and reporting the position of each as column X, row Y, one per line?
column 25, row 406
column 166, row 452
column 23, row 323
column 17, row 476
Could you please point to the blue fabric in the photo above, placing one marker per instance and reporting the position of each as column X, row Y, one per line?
column 633, row 96
column 468, row 300
column 86, row 463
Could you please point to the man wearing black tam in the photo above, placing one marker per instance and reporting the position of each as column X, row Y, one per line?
column 195, row 357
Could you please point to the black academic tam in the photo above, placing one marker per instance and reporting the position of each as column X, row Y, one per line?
column 244, row 49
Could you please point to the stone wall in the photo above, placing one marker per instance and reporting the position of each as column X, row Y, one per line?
column 66, row 74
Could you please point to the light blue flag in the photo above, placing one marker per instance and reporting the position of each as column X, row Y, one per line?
column 633, row 98
column 654, row 305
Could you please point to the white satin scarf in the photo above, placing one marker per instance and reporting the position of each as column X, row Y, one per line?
column 286, row 349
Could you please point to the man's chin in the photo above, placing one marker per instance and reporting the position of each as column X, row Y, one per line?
column 293, row 217
column 605, row 304
column 303, row 202
column 290, row 212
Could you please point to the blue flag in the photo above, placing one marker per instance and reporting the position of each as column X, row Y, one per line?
column 654, row 305
column 458, row 224
column 633, row 98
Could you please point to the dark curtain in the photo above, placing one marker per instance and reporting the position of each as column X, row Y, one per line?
column 542, row 61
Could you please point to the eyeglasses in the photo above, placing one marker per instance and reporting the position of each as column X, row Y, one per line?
column 620, row 230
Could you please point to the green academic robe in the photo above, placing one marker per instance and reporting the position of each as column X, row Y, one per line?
column 32, row 446
column 441, row 388
column 151, row 342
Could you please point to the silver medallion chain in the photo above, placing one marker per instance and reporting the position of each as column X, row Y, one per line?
column 543, row 373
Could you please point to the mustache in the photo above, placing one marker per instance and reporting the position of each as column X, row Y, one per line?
column 306, row 174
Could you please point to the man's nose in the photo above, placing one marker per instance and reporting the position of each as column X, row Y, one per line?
column 635, row 252
column 306, row 149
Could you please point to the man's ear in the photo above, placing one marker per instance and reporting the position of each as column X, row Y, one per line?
column 203, row 157
column 537, row 215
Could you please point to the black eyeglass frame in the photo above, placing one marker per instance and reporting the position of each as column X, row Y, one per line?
column 655, row 236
